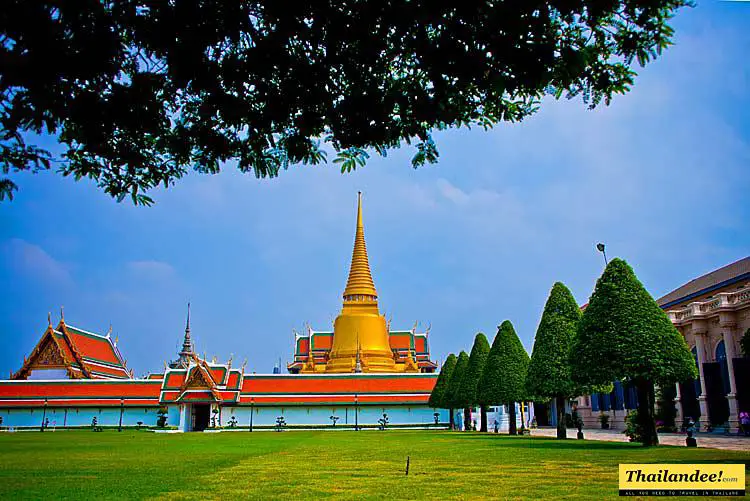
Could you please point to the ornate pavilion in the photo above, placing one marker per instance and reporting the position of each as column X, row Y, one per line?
column 352, row 376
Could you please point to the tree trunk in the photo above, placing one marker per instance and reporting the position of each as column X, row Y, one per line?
column 645, row 390
column 452, row 426
column 512, row 429
column 467, row 419
column 483, row 426
column 562, row 431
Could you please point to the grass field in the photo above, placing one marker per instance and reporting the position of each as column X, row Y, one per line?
column 303, row 465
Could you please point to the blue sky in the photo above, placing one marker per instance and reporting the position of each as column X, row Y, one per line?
column 660, row 176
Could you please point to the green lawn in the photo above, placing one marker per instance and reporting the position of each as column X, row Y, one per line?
column 302, row 465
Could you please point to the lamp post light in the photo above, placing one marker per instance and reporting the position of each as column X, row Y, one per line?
column 600, row 248
column 122, row 409
column 252, row 411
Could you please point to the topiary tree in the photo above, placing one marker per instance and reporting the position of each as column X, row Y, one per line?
column 624, row 335
column 549, row 369
column 470, row 381
column 438, row 396
column 504, row 377
column 454, row 399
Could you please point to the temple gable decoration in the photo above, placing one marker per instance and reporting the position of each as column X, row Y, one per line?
column 82, row 354
column 201, row 382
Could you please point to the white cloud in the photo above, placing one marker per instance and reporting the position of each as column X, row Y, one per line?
column 150, row 269
column 34, row 261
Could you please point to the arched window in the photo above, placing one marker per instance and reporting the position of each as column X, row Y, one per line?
column 721, row 358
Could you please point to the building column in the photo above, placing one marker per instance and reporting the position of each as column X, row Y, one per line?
column 183, row 426
column 702, row 399
column 732, row 396
column 679, row 417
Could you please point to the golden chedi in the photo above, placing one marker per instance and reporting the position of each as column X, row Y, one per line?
column 360, row 332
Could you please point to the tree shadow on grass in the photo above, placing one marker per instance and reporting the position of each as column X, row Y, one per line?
column 547, row 442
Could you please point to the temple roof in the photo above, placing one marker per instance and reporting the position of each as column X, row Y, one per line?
column 736, row 272
column 81, row 353
column 201, row 381
column 402, row 343
column 193, row 386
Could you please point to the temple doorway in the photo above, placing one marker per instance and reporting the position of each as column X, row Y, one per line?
column 718, row 407
column 200, row 415
column 742, row 378
column 689, row 392
column 541, row 413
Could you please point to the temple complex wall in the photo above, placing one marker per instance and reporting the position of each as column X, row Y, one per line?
column 263, row 416
column 321, row 415
column 82, row 417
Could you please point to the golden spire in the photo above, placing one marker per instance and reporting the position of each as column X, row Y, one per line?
column 360, row 278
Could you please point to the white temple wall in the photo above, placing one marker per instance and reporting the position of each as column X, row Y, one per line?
column 263, row 416
column 78, row 417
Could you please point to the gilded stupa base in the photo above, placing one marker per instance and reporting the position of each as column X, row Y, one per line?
column 368, row 361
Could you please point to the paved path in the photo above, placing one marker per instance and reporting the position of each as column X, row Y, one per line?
column 730, row 443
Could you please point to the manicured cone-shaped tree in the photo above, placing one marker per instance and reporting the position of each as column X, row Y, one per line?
column 504, row 377
column 549, row 370
column 453, row 396
column 470, row 381
column 624, row 335
column 438, row 398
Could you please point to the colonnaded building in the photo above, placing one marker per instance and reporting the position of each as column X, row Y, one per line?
column 356, row 375
column 712, row 312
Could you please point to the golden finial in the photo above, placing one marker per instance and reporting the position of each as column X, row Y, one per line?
column 49, row 318
column 360, row 277
column 165, row 365
column 62, row 314
column 414, row 328
column 427, row 332
column 242, row 369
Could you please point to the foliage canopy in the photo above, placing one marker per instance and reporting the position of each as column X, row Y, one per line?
column 453, row 396
column 504, row 377
column 549, row 369
column 438, row 395
column 624, row 335
column 138, row 93
column 477, row 360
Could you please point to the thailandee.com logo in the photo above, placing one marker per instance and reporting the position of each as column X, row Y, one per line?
column 682, row 479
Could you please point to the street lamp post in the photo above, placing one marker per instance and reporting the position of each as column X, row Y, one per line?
column 252, row 411
column 600, row 248
column 122, row 409
column 44, row 415
column 356, row 412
